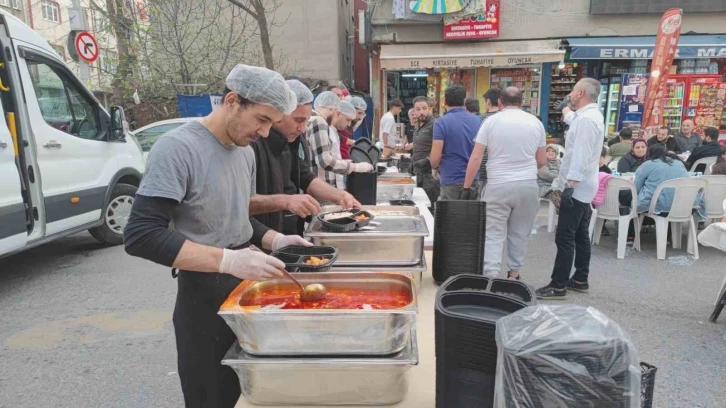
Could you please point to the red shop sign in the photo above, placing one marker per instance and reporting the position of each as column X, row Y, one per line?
column 476, row 27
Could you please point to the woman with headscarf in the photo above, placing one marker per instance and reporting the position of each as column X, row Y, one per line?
column 634, row 158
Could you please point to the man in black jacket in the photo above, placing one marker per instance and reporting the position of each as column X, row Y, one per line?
column 665, row 139
column 709, row 148
column 287, row 191
column 422, row 140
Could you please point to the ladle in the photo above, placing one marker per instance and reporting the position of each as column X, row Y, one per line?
column 310, row 293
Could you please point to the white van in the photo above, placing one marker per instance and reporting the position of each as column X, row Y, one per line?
column 66, row 164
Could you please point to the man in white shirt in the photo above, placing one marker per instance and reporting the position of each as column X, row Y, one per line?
column 387, row 131
column 515, row 141
column 578, row 176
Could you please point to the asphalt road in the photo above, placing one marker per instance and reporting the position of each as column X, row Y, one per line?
column 87, row 326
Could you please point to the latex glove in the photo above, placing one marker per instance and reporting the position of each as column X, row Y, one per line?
column 282, row 241
column 361, row 167
column 302, row 205
column 348, row 201
column 250, row 264
column 467, row 194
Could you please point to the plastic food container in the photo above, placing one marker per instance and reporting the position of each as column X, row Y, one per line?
column 296, row 256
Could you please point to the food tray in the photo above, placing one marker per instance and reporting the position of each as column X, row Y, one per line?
column 380, row 210
column 415, row 271
column 395, row 241
column 345, row 224
column 514, row 289
column 360, row 155
column 296, row 255
column 324, row 381
column 271, row 331
column 386, row 192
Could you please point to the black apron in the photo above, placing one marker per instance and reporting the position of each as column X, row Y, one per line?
column 203, row 338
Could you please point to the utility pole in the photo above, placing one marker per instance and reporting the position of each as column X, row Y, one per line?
column 77, row 21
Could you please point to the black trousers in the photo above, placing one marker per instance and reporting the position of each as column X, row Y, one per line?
column 202, row 340
column 573, row 242
column 430, row 185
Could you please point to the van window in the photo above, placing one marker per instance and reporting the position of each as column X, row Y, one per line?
column 62, row 103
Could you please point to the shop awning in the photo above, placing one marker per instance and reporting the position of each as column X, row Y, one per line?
column 485, row 54
column 689, row 46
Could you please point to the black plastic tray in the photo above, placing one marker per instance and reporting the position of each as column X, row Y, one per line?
column 345, row 224
column 295, row 257
column 513, row 288
column 481, row 306
column 360, row 155
column 409, row 203
column 375, row 153
column 477, row 283
column 364, row 143
column 465, row 283
column 382, row 169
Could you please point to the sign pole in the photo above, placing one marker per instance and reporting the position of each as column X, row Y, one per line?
column 77, row 21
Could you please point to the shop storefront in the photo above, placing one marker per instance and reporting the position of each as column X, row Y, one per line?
column 695, row 86
column 428, row 69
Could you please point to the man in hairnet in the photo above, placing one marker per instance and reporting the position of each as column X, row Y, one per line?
column 331, row 114
column 346, row 135
column 287, row 192
column 191, row 213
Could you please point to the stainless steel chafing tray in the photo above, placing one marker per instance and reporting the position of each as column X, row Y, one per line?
column 324, row 381
column 416, row 271
column 271, row 331
column 380, row 210
column 396, row 240
column 387, row 192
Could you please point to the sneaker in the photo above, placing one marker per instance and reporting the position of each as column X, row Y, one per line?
column 582, row 287
column 550, row 292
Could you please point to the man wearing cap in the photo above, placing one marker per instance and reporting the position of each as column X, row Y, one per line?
column 287, row 192
column 329, row 115
column 191, row 213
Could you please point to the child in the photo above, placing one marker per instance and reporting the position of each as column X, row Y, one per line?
column 549, row 172
column 604, row 159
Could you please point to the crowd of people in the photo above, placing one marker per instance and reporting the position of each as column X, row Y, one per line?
column 250, row 174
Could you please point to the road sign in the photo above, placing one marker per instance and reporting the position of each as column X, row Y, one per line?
column 86, row 46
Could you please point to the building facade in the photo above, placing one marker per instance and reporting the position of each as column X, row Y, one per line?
column 543, row 47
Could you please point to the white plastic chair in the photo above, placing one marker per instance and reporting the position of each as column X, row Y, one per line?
column 551, row 214
column 714, row 196
column 614, row 164
column 610, row 210
column 686, row 191
column 708, row 161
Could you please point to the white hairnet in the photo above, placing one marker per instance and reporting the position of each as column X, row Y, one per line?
column 302, row 92
column 358, row 102
column 347, row 109
column 262, row 86
column 327, row 99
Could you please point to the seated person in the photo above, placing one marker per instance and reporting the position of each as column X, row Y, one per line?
column 722, row 156
column 622, row 147
column 657, row 169
column 549, row 172
column 604, row 160
column 719, row 169
column 630, row 162
column 709, row 148
column 664, row 138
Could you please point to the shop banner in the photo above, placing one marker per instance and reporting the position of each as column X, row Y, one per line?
column 476, row 27
column 404, row 63
column 666, row 44
column 710, row 106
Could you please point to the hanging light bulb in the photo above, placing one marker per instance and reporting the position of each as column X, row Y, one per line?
column 561, row 65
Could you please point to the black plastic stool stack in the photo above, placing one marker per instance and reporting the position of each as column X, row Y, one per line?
column 459, row 234
column 466, row 349
column 363, row 186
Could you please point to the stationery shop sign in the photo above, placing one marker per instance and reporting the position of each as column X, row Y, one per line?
column 483, row 26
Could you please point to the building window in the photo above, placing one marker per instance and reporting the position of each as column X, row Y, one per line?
column 108, row 63
column 11, row 3
column 59, row 50
column 51, row 11
column 100, row 22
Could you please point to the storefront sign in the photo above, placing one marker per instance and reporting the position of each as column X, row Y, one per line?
column 653, row 6
column 666, row 44
column 689, row 47
column 483, row 61
column 476, row 27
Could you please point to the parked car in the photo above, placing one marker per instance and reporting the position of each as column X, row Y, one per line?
column 149, row 134
column 66, row 164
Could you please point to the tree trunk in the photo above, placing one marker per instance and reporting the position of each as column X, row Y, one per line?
column 122, row 82
column 264, row 34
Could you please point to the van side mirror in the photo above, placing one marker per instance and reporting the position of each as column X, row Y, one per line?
column 118, row 125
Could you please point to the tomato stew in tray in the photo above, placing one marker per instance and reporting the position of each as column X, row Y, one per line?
column 336, row 298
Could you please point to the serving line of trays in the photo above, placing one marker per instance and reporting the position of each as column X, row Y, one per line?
column 324, row 356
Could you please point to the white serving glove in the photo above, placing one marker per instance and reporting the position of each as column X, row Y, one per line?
column 250, row 264
column 361, row 167
column 282, row 241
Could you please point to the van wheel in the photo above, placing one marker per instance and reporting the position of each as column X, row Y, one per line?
column 115, row 215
